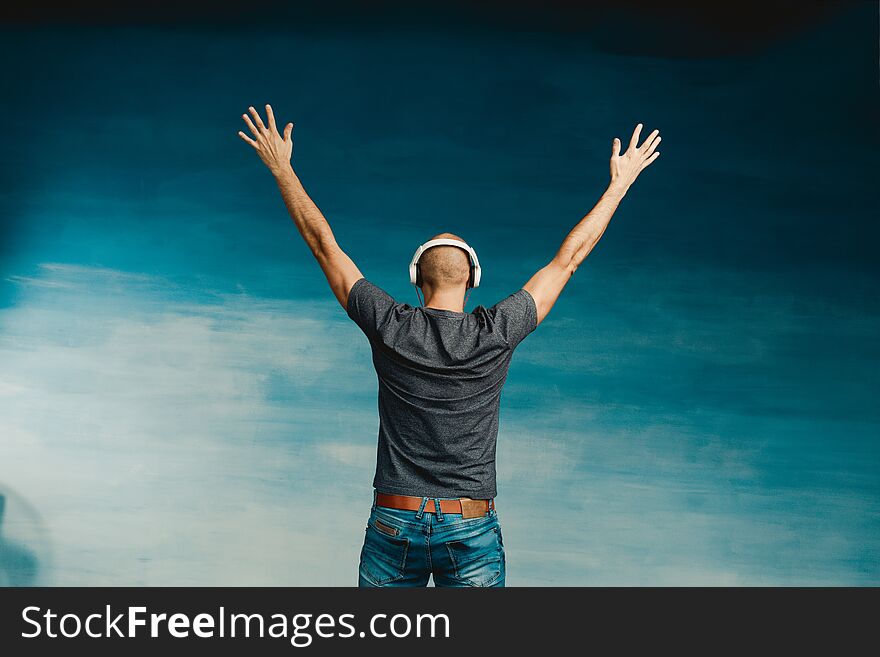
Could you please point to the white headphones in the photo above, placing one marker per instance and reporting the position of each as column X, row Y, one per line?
column 415, row 276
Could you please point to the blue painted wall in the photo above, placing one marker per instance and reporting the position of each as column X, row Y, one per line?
column 182, row 401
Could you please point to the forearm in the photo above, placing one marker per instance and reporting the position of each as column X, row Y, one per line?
column 305, row 214
column 584, row 236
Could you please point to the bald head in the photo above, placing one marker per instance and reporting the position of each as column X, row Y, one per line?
column 445, row 266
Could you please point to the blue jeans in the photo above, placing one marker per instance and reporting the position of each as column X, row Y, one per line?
column 404, row 548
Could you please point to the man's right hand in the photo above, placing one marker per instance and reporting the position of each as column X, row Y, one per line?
column 627, row 167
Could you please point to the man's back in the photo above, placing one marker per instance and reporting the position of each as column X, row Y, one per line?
column 440, row 377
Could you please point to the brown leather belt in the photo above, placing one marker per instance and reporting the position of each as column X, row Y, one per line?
column 467, row 507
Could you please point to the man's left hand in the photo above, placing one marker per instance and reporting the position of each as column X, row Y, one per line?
column 274, row 149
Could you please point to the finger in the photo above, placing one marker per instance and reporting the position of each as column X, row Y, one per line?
column 257, row 119
column 288, row 129
column 651, row 159
column 250, row 125
column 615, row 147
column 652, row 147
column 270, row 115
column 247, row 139
column 635, row 138
column 650, row 138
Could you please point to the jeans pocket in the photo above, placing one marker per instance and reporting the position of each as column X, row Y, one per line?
column 383, row 557
column 478, row 560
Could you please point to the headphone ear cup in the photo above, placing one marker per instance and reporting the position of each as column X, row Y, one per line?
column 418, row 275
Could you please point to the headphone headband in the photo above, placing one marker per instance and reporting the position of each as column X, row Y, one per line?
column 473, row 280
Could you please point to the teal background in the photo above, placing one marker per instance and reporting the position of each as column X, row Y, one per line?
column 182, row 400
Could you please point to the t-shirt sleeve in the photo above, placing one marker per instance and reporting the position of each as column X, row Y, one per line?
column 515, row 316
column 369, row 306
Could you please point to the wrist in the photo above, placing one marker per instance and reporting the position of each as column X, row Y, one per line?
column 283, row 172
column 616, row 189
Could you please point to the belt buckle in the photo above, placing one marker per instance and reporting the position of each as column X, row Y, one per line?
column 472, row 508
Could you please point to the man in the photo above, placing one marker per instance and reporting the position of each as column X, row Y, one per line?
column 440, row 374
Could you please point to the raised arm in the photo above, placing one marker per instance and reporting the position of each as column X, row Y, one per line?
column 547, row 283
column 275, row 150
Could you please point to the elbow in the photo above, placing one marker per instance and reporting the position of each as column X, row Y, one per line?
column 324, row 246
column 564, row 264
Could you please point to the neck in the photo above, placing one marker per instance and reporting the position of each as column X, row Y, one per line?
column 448, row 299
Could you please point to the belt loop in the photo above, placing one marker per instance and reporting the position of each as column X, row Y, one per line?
column 439, row 510
column 421, row 510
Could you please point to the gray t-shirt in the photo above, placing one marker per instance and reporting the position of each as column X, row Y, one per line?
column 440, row 377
